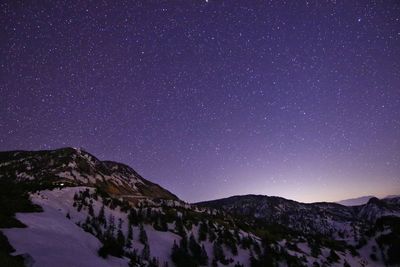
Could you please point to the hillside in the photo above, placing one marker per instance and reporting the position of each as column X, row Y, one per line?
column 74, row 167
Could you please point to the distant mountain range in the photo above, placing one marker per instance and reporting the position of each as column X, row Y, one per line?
column 65, row 207
column 355, row 201
column 330, row 219
column 361, row 200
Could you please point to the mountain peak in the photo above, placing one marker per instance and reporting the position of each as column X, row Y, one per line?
column 77, row 167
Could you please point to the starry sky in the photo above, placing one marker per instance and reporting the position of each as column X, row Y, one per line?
column 299, row 99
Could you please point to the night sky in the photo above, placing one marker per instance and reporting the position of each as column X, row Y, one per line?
column 211, row 98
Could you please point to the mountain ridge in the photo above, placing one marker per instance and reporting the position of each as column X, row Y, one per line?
column 301, row 216
column 79, row 167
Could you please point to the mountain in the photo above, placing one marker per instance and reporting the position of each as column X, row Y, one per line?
column 65, row 207
column 76, row 167
column 321, row 217
column 359, row 229
column 355, row 201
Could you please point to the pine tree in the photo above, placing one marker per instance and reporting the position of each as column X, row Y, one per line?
column 120, row 223
column 194, row 248
column 129, row 237
column 315, row 249
column 230, row 241
column 333, row 257
column 183, row 244
column 154, row 262
column 211, row 235
column 181, row 257
column 120, row 235
column 236, row 234
column 146, row 252
column 111, row 225
column 163, row 223
column 256, row 248
column 142, row 235
column 176, row 254
column 133, row 217
column 148, row 214
column 203, row 229
column 203, row 256
column 87, row 222
column 246, row 242
column 85, row 194
column 140, row 214
column 134, row 259
column 102, row 217
column 180, row 229
column 175, row 248
column 218, row 251
column 91, row 211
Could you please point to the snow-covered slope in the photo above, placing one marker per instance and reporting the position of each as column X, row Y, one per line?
column 53, row 240
column 66, row 227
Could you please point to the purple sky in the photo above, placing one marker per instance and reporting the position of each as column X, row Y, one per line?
column 211, row 99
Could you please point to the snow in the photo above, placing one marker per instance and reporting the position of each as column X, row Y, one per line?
column 78, row 176
column 6, row 163
column 63, row 199
column 161, row 244
column 304, row 247
column 243, row 256
column 24, row 175
column 365, row 253
column 66, row 175
column 72, row 165
column 51, row 232
column 362, row 260
column 53, row 240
